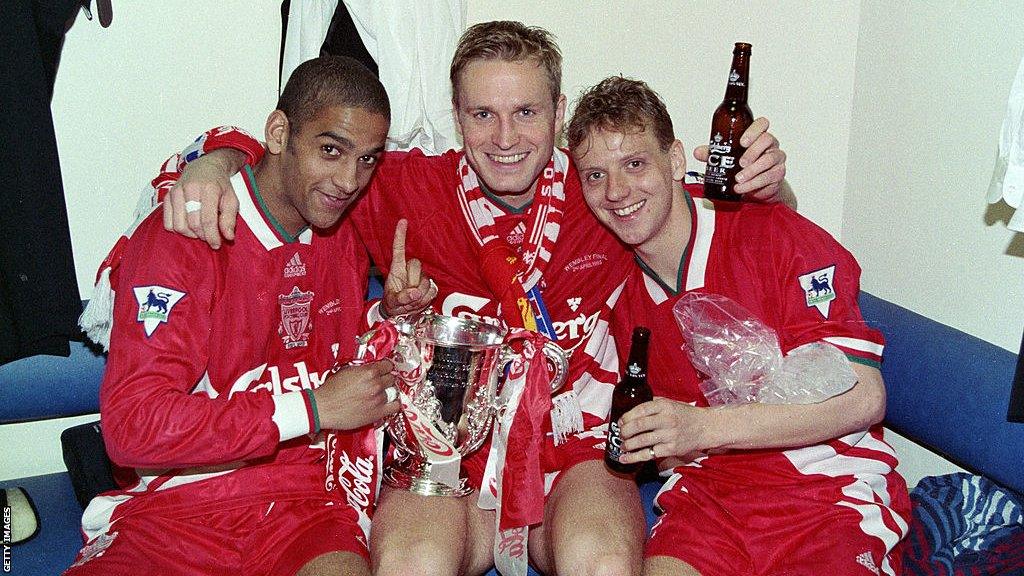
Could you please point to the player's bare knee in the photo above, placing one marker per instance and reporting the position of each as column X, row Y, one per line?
column 336, row 563
column 421, row 557
column 603, row 563
column 597, row 554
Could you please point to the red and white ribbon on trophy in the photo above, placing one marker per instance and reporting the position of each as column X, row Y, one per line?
column 443, row 457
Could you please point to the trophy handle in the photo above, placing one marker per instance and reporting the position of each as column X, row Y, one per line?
column 553, row 353
column 559, row 364
column 505, row 357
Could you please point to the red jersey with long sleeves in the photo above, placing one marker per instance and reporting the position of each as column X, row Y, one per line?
column 797, row 280
column 210, row 350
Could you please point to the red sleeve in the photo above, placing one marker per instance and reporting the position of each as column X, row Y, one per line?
column 165, row 287
column 219, row 137
column 819, row 283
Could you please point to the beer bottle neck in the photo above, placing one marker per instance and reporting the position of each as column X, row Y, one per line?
column 739, row 75
column 636, row 366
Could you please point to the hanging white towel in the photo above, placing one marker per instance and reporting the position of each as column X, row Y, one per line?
column 412, row 43
column 1008, row 179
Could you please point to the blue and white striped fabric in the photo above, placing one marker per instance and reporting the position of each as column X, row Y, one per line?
column 965, row 524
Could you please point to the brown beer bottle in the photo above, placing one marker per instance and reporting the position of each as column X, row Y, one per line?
column 630, row 392
column 730, row 121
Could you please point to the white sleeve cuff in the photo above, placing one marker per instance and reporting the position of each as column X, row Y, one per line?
column 373, row 315
column 291, row 415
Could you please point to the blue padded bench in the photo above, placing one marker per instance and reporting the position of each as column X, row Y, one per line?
column 947, row 390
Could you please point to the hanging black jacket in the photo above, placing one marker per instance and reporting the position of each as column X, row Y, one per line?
column 39, row 300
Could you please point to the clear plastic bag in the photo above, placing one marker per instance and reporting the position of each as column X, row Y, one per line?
column 809, row 374
column 743, row 362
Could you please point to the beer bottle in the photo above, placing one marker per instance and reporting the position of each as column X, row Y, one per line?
column 630, row 392
column 730, row 121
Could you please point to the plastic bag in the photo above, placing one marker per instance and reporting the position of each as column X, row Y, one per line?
column 743, row 362
column 809, row 374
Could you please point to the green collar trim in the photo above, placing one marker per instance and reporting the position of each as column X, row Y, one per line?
column 682, row 260
column 285, row 236
column 504, row 205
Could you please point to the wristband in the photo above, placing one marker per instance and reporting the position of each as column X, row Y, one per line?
column 312, row 406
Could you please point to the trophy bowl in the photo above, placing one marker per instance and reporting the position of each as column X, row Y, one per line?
column 450, row 375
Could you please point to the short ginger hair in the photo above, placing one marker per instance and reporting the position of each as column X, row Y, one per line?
column 622, row 105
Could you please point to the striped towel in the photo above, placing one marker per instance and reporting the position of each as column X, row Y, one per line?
column 964, row 525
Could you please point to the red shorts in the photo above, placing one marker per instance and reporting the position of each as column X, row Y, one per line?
column 259, row 539
column 554, row 459
column 813, row 527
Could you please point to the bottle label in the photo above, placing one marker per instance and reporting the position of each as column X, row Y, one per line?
column 635, row 371
column 614, row 447
column 735, row 79
column 720, row 160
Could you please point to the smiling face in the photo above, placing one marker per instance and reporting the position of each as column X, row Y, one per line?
column 634, row 187
column 508, row 124
column 322, row 164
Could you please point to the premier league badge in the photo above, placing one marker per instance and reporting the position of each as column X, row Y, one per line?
column 155, row 304
column 818, row 288
column 295, row 325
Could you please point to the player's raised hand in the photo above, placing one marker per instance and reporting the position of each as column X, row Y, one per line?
column 763, row 165
column 355, row 396
column 406, row 289
column 202, row 203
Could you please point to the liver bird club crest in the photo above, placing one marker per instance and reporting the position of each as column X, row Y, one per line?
column 155, row 304
column 819, row 288
column 295, row 325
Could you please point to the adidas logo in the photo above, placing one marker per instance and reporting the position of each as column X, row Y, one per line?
column 865, row 560
column 515, row 237
column 294, row 267
column 574, row 303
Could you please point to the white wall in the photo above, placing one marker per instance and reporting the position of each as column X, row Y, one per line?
column 128, row 96
column 801, row 70
column 931, row 90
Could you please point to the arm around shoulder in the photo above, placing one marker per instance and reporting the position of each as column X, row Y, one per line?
column 199, row 203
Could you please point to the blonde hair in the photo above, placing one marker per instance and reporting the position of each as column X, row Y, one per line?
column 512, row 42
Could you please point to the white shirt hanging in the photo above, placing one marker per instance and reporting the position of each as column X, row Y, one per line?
column 412, row 43
column 1008, row 179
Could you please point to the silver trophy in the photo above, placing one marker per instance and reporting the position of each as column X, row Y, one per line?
column 451, row 372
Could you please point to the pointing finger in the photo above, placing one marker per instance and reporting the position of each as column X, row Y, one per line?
column 398, row 246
